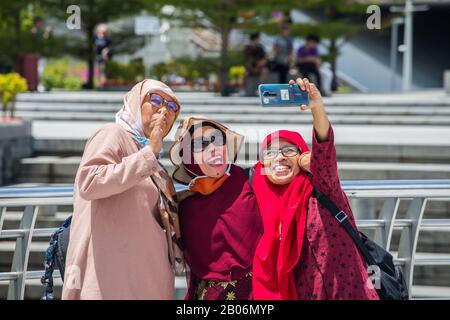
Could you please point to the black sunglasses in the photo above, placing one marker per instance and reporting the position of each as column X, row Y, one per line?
column 201, row 143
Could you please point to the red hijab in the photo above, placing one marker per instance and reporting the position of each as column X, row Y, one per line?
column 274, row 258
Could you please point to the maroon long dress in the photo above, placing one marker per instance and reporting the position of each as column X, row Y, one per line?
column 331, row 266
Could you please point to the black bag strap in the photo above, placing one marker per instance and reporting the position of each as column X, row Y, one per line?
column 342, row 218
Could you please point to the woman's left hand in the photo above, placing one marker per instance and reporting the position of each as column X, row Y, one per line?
column 314, row 96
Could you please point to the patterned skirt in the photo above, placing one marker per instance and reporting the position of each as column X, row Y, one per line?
column 240, row 289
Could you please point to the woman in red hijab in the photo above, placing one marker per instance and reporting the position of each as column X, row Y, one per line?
column 219, row 218
column 304, row 253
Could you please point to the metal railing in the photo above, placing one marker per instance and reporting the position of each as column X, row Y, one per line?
column 392, row 192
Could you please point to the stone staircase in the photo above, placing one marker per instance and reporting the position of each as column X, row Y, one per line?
column 392, row 136
column 377, row 137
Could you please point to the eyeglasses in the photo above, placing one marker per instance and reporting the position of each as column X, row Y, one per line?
column 201, row 143
column 287, row 151
column 158, row 101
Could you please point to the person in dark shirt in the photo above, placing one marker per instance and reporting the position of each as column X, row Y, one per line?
column 102, row 43
column 308, row 60
column 256, row 59
column 283, row 49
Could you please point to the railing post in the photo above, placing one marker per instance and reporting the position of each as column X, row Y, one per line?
column 408, row 239
column 21, row 254
column 388, row 213
column 2, row 217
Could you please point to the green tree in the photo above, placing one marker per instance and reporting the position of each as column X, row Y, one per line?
column 94, row 12
column 338, row 21
column 16, row 36
column 223, row 16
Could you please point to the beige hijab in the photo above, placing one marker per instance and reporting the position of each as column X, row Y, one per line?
column 129, row 116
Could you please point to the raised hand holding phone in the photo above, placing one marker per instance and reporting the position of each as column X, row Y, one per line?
column 320, row 117
column 314, row 96
column 282, row 95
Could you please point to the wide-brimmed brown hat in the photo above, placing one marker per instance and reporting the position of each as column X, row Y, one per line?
column 234, row 143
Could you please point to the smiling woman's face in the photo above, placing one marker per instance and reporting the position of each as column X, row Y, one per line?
column 210, row 156
column 281, row 169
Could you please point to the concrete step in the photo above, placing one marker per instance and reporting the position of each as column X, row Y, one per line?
column 431, row 154
column 53, row 169
column 299, row 118
column 40, row 244
column 411, row 99
column 423, row 275
column 430, row 292
column 53, row 220
column 433, row 279
column 256, row 109
column 34, row 290
column 375, row 141
column 429, row 243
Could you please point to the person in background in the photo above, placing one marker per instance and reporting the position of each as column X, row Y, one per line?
column 283, row 49
column 308, row 60
column 41, row 35
column 29, row 63
column 256, row 59
column 326, row 76
column 102, row 51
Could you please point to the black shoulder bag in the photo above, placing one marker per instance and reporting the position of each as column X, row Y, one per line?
column 392, row 283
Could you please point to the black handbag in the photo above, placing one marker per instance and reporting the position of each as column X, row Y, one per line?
column 391, row 280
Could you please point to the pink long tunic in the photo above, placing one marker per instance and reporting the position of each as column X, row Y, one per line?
column 117, row 249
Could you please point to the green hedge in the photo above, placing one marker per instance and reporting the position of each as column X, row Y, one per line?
column 124, row 72
column 60, row 73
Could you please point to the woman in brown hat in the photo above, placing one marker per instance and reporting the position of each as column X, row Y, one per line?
column 220, row 222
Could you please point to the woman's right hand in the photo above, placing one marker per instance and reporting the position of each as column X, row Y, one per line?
column 156, row 139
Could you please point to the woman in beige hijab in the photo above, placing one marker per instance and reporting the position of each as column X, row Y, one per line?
column 117, row 248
